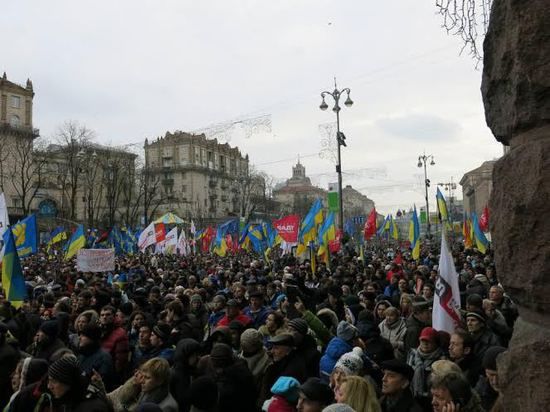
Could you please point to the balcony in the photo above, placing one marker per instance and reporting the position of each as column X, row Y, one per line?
column 23, row 131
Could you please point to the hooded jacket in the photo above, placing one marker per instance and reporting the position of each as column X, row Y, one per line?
column 395, row 333
column 182, row 373
column 336, row 348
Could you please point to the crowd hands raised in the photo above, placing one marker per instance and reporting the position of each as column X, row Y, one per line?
column 204, row 333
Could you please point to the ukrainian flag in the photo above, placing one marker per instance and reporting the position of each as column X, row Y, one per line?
column 414, row 235
column 394, row 232
column 25, row 234
column 220, row 246
column 479, row 237
column 75, row 243
column 308, row 229
column 13, row 281
column 256, row 236
column 442, row 207
column 327, row 233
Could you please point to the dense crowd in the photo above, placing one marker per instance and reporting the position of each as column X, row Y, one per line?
column 212, row 334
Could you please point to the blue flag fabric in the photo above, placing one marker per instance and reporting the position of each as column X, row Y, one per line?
column 25, row 234
column 13, row 281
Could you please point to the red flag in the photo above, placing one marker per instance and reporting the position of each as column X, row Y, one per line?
column 484, row 220
column 160, row 232
column 207, row 237
column 370, row 225
column 287, row 228
column 334, row 245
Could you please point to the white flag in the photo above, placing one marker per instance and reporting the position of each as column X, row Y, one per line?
column 171, row 241
column 182, row 244
column 446, row 308
column 147, row 237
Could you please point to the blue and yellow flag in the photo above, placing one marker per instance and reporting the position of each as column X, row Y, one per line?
column 442, row 207
column 75, row 243
column 478, row 236
column 394, row 232
column 414, row 235
column 327, row 233
column 13, row 281
column 25, row 234
column 308, row 228
column 257, row 240
column 220, row 245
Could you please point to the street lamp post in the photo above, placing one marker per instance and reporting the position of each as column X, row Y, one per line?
column 422, row 161
column 340, row 140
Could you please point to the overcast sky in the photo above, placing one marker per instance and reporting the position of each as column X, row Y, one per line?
column 134, row 69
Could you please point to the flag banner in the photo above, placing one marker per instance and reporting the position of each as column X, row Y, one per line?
column 484, row 220
column 370, row 225
column 446, row 308
column 171, row 241
column 414, row 235
column 95, row 260
column 4, row 219
column 287, row 228
column 13, row 281
column 160, row 232
column 147, row 237
column 25, row 234
column 75, row 243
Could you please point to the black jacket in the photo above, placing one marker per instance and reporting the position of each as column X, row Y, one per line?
column 414, row 327
column 292, row 365
column 404, row 402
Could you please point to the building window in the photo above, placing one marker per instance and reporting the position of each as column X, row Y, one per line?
column 15, row 121
column 184, row 188
column 166, row 162
column 184, row 155
column 16, row 102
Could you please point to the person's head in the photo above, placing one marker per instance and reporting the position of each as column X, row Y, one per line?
column 397, row 377
column 88, row 316
column 391, row 315
column 298, row 328
column 154, row 294
column 274, row 321
column 350, row 363
column 422, row 310
column 107, row 316
column 461, row 345
column 314, row 396
column 89, row 335
column 256, row 300
column 160, row 335
column 232, row 309
column 196, row 302
column 63, row 374
column 451, row 387
column 402, row 284
column 428, row 291
column 29, row 370
column 474, row 302
column 380, row 308
column 429, row 340
column 47, row 331
column 251, row 342
column 475, row 321
column 496, row 294
column 346, row 331
column 84, row 300
column 490, row 365
column 155, row 373
column 144, row 337
column 358, row 393
column 137, row 320
column 218, row 303
column 281, row 346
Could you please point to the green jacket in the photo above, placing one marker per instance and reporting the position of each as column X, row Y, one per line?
column 318, row 327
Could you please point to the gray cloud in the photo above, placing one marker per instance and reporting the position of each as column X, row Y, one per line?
column 421, row 127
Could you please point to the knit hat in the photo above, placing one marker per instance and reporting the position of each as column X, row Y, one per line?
column 65, row 370
column 490, row 357
column 251, row 341
column 92, row 331
column 49, row 328
column 221, row 355
column 478, row 315
column 299, row 325
column 286, row 387
column 338, row 407
column 351, row 363
column 163, row 331
column 316, row 390
column 279, row 299
column 352, row 300
column 346, row 331
column 335, row 291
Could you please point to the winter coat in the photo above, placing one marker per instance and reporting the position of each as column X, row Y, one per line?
column 414, row 328
column 318, row 327
column 98, row 360
column 8, row 362
column 336, row 348
column 32, row 371
column 403, row 402
column 257, row 364
column 291, row 365
column 243, row 319
column 395, row 333
column 307, row 350
column 422, row 365
column 45, row 349
column 259, row 317
column 484, row 341
column 236, row 389
column 182, row 374
column 278, row 404
column 115, row 343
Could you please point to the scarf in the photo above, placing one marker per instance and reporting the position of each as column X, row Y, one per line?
column 422, row 364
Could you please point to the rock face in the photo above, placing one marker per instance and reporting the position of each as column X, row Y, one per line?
column 516, row 94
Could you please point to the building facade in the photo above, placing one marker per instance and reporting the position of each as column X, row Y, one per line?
column 16, row 144
column 476, row 187
column 355, row 203
column 197, row 177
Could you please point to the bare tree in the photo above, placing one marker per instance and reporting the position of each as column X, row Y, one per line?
column 466, row 18
column 149, row 192
column 26, row 173
column 73, row 139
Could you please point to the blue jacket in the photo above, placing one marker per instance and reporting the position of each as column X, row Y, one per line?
column 258, row 318
column 335, row 348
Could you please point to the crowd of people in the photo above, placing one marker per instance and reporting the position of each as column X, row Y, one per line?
column 209, row 334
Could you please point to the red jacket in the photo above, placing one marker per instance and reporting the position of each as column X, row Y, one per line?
column 243, row 319
column 280, row 404
column 116, row 344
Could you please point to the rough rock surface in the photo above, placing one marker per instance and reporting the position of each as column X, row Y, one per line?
column 516, row 94
column 516, row 67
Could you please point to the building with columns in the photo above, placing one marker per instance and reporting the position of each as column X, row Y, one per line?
column 476, row 187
